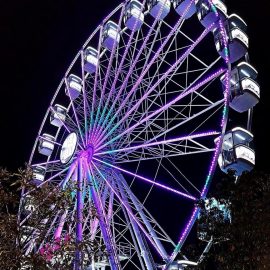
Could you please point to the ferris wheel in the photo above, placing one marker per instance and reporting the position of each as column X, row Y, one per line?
column 138, row 125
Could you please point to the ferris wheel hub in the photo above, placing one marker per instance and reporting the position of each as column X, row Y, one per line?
column 88, row 153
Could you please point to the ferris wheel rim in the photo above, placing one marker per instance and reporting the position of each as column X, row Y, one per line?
column 63, row 81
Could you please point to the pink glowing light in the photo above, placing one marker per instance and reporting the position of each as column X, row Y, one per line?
column 148, row 180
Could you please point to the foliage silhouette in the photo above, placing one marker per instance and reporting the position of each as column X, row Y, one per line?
column 43, row 204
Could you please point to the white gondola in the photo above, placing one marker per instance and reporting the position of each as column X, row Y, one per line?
column 134, row 16
column 159, row 7
column 180, row 7
column 46, row 144
column 237, row 155
column 238, row 41
column 207, row 14
column 74, row 86
column 29, row 206
column 90, row 60
column 245, row 91
column 111, row 35
column 38, row 173
column 214, row 213
column 58, row 115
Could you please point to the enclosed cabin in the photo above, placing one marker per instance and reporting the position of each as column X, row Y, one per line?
column 29, row 206
column 90, row 60
column 237, row 154
column 245, row 91
column 134, row 16
column 209, row 13
column 38, row 174
column 238, row 41
column 185, row 8
column 111, row 35
column 46, row 144
column 58, row 115
column 74, row 86
column 159, row 8
column 214, row 217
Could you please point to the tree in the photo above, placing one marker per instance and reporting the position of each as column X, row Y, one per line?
column 43, row 204
column 10, row 253
column 249, row 233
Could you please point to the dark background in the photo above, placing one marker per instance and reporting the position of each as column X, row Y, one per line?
column 39, row 40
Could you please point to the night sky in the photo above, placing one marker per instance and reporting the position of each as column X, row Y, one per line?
column 38, row 42
column 39, row 39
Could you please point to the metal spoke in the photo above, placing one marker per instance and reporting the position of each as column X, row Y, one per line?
column 132, row 68
column 157, row 83
column 96, row 121
column 190, row 137
column 148, row 180
column 76, row 116
column 181, row 96
column 85, row 100
column 127, row 209
column 119, row 69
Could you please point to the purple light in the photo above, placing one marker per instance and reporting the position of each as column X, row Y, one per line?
column 189, row 137
column 72, row 169
column 217, row 151
column 79, row 213
column 45, row 163
column 85, row 101
column 134, row 88
column 59, row 229
column 90, row 134
column 148, row 180
column 97, row 132
column 129, row 74
column 127, row 209
column 183, row 236
column 103, row 221
column 107, row 75
column 165, row 107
